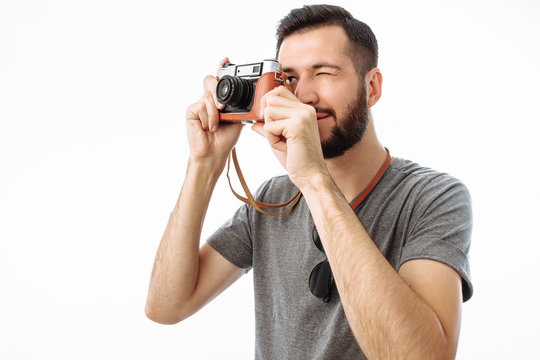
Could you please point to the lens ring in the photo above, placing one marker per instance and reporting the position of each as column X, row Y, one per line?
column 234, row 91
column 223, row 89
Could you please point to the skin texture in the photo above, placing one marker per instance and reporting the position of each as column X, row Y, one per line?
column 410, row 314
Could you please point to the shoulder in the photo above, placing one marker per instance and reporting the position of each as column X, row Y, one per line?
column 423, row 181
column 408, row 170
column 421, row 195
column 438, row 216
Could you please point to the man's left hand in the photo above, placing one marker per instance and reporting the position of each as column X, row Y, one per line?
column 290, row 127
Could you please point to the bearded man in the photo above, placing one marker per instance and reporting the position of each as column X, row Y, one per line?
column 372, row 260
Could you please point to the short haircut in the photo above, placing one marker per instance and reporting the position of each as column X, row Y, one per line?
column 364, row 49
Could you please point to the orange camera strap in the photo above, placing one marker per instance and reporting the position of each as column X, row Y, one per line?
column 260, row 206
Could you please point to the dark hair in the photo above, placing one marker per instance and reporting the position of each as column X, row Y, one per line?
column 364, row 49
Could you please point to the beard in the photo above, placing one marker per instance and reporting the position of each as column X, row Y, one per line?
column 349, row 129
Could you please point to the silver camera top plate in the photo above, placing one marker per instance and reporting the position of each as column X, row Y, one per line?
column 249, row 70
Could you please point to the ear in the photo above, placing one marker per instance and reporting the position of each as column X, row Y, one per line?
column 373, row 86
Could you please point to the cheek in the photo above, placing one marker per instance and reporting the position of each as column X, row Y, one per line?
column 340, row 91
column 329, row 92
column 336, row 99
column 344, row 96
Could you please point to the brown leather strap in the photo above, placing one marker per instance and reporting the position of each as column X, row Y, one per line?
column 260, row 206
column 373, row 181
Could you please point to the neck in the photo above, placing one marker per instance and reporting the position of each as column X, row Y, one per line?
column 353, row 171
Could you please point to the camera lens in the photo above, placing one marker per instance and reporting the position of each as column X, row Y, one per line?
column 234, row 91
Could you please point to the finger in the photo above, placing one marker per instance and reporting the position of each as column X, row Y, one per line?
column 279, row 148
column 202, row 114
column 275, row 129
column 284, row 113
column 210, row 84
column 284, row 92
column 194, row 115
column 276, row 142
column 278, row 97
column 273, row 99
column 225, row 60
column 192, row 112
column 280, row 145
column 258, row 128
column 212, row 111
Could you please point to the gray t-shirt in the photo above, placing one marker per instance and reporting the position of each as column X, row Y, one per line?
column 413, row 213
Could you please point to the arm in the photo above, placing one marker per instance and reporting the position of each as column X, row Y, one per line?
column 185, row 278
column 413, row 314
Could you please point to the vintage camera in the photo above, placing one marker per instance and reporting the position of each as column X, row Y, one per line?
column 241, row 87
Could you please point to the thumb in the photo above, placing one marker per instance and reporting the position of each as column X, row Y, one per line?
column 259, row 129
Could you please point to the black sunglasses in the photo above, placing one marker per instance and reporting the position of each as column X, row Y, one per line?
column 321, row 279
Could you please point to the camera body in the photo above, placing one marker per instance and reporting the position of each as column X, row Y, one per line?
column 241, row 87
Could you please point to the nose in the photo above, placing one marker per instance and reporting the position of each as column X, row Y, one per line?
column 306, row 92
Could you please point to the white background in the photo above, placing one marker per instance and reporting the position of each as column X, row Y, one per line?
column 93, row 153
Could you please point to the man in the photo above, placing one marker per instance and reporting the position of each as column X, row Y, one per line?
column 384, row 280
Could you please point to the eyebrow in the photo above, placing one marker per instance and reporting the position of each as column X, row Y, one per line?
column 314, row 67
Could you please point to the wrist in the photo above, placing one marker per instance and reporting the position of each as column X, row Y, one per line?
column 316, row 184
column 209, row 166
column 204, row 171
column 199, row 183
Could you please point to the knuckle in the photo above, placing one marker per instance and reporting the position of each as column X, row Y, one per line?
column 210, row 83
column 310, row 111
column 192, row 109
column 198, row 107
column 274, row 92
column 269, row 98
column 209, row 78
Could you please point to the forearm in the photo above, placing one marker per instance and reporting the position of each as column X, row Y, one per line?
column 386, row 316
column 175, row 272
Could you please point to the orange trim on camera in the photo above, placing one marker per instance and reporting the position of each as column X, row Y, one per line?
column 266, row 83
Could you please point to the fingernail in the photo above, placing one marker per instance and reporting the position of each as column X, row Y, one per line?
column 213, row 128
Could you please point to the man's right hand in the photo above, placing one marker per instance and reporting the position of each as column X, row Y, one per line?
column 186, row 276
column 210, row 142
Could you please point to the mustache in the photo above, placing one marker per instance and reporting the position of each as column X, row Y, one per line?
column 328, row 111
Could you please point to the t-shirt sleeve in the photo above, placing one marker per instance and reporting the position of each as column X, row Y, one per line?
column 441, row 228
column 233, row 239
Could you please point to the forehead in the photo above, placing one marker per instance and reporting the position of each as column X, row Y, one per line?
column 321, row 44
